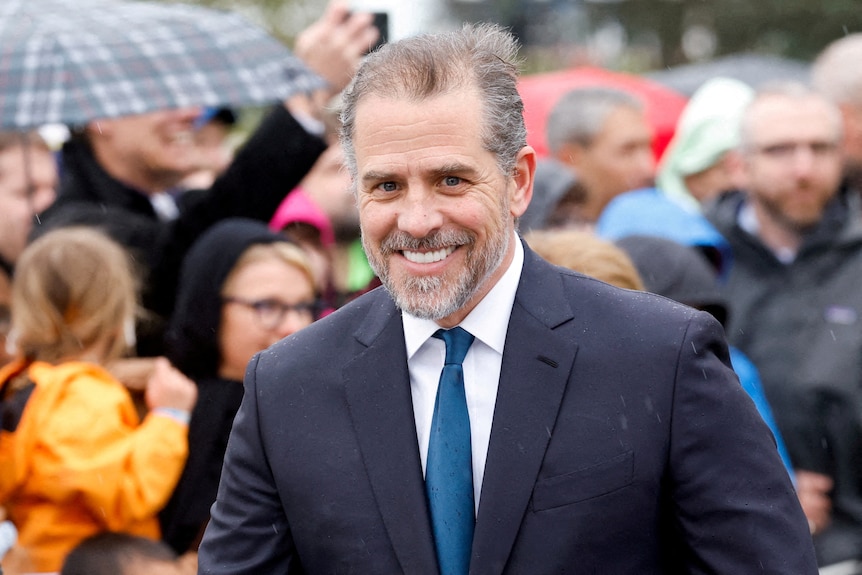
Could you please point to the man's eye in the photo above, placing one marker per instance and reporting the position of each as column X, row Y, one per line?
column 388, row 186
column 451, row 180
column 823, row 148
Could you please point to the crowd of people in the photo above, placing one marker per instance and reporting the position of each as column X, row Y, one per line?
column 225, row 361
column 761, row 184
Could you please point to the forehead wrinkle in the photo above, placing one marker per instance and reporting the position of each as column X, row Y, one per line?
column 421, row 114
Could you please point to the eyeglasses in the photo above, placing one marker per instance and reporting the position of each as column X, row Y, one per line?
column 271, row 312
column 784, row 151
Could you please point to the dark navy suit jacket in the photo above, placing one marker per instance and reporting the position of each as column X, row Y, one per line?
column 622, row 443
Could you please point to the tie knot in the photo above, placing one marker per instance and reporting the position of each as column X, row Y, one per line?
column 458, row 341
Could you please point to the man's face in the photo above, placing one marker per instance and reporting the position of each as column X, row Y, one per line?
column 328, row 184
column 437, row 215
column 21, row 199
column 151, row 151
column 619, row 159
column 792, row 159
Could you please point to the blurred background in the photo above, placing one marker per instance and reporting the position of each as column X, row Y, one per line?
column 629, row 35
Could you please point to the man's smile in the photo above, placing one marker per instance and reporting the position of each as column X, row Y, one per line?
column 428, row 257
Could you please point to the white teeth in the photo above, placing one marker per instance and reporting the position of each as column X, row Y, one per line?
column 428, row 257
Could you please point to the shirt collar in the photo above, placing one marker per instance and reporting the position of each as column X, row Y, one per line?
column 488, row 321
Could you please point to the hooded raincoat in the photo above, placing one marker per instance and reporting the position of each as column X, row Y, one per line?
column 80, row 461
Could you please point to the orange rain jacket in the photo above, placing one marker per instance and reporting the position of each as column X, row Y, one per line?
column 81, row 462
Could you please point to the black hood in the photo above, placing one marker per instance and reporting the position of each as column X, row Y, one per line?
column 192, row 337
column 676, row 271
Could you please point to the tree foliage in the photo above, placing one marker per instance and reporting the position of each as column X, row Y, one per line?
column 282, row 18
column 792, row 28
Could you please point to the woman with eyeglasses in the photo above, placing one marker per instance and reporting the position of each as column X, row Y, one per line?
column 242, row 288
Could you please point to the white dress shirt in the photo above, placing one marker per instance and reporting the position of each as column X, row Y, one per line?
column 488, row 322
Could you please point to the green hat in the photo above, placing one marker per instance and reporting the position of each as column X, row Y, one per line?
column 706, row 130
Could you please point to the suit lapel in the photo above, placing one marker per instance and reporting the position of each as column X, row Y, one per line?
column 381, row 408
column 536, row 366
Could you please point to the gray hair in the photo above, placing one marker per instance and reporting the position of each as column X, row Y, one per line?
column 580, row 114
column 789, row 90
column 416, row 68
column 836, row 74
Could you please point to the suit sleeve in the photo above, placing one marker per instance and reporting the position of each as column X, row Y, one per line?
column 734, row 504
column 248, row 531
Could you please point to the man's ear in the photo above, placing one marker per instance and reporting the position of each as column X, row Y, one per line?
column 522, row 176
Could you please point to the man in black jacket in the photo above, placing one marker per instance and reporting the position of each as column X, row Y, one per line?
column 116, row 174
column 795, row 304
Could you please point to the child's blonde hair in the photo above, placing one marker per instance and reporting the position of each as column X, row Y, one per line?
column 73, row 288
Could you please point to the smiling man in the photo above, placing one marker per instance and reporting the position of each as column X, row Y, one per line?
column 438, row 215
column 484, row 411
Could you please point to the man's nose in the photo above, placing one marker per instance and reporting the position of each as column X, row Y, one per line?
column 419, row 214
column 803, row 160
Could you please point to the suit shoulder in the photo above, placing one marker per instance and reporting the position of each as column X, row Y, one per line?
column 608, row 298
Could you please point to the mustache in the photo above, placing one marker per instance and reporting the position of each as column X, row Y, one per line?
column 399, row 241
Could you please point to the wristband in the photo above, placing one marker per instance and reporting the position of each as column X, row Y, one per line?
column 179, row 415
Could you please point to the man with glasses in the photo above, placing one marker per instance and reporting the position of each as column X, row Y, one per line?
column 795, row 302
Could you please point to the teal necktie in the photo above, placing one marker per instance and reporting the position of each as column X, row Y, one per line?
column 449, row 467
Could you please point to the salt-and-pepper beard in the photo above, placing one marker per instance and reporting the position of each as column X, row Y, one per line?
column 429, row 297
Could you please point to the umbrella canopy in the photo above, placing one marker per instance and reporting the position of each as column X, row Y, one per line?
column 751, row 69
column 71, row 61
column 540, row 92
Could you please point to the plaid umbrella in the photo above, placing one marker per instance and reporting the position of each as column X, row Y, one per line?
column 71, row 61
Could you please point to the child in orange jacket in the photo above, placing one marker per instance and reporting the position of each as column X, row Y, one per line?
column 75, row 459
